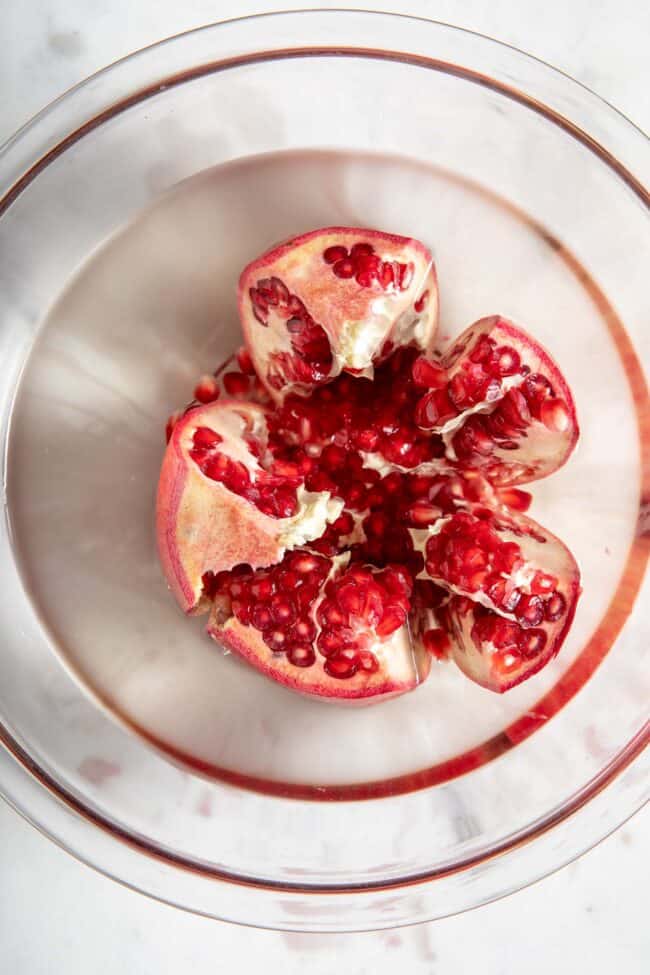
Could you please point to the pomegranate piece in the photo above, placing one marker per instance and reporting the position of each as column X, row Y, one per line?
column 321, row 627
column 513, row 589
column 505, row 409
column 335, row 300
column 220, row 501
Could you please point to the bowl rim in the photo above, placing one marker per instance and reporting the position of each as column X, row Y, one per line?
column 57, row 795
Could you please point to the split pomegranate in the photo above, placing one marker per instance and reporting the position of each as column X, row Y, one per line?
column 321, row 626
column 221, row 502
column 501, row 405
column 335, row 300
column 346, row 504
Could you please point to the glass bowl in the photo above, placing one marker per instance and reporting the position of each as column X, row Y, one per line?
column 127, row 209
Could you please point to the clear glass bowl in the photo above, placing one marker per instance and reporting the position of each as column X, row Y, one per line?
column 127, row 209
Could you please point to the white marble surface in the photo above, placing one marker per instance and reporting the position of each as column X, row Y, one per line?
column 57, row 916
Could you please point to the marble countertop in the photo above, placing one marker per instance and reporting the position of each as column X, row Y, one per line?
column 57, row 916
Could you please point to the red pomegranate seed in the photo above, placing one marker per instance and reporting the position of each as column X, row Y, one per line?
column 301, row 656
column 508, row 556
column 245, row 362
column 206, row 438
column 536, row 389
column 554, row 607
column 368, row 662
column 515, row 498
column 406, row 272
column 457, row 391
column 304, row 563
column 361, row 250
column 344, row 268
column 262, row 588
column 529, row 610
column 206, row 391
column 335, row 253
column 386, row 275
column 261, row 617
column 436, row 642
column 236, row 384
column 507, row 360
column 341, row 667
column 366, row 440
column 393, row 617
column 531, row 643
column 303, row 631
column 282, row 609
column 427, row 374
column 482, row 350
column 422, row 513
column 276, row 639
column 554, row 415
column 365, row 277
column 542, row 584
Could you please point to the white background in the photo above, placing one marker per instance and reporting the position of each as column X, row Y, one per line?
column 57, row 916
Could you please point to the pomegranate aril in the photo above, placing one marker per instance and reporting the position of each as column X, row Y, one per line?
column 276, row 639
column 508, row 557
column 421, row 303
column 457, row 391
column 361, row 250
column 367, row 662
column 428, row 374
column 482, row 350
column 405, row 275
column 393, row 617
column 436, row 642
column 344, row 268
column 282, row 609
column 554, row 415
column 245, row 362
column 262, row 588
column 531, row 643
column 261, row 617
column 303, row 631
column 340, row 667
column 335, row 253
column 206, row 438
column 301, row 656
column 207, row 390
column 529, row 610
column 506, row 360
column 542, row 584
column 554, row 607
column 236, row 383
column 536, row 388
column 515, row 498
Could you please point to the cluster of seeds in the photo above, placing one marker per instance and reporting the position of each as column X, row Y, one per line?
column 367, row 268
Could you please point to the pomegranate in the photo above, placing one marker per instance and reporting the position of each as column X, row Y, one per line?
column 321, row 626
column 502, row 405
column 345, row 504
column 513, row 588
column 221, row 501
column 335, row 300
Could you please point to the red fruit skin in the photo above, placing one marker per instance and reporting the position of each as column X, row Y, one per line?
column 361, row 689
column 201, row 525
column 541, row 452
column 332, row 301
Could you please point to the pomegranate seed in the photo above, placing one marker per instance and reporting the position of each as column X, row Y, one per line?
column 245, row 362
column 301, row 656
column 406, row 272
column 531, row 643
column 303, row 631
column 507, row 360
column 304, row 563
column 206, row 438
column 344, row 268
column 422, row 513
column 428, row 374
column 236, row 384
column 482, row 350
column 436, row 642
column 206, row 391
column 530, row 610
column 536, row 389
column 282, row 609
column 368, row 662
column 335, row 253
column 275, row 639
column 340, row 667
column 262, row 588
column 554, row 415
column 554, row 607
column 515, row 498
column 393, row 617
column 261, row 617
column 542, row 584
column 386, row 275
column 509, row 556
column 457, row 391
column 361, row 250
